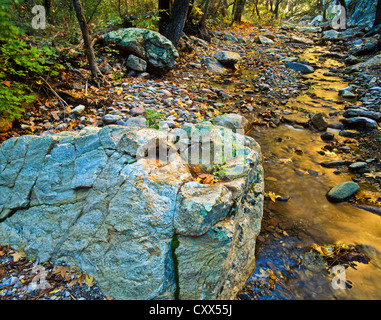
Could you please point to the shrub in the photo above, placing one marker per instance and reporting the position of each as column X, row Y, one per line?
column 21, row 67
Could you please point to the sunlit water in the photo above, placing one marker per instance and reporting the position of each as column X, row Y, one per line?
column 292, row 169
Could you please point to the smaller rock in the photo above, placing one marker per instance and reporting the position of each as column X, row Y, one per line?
column 309, row 29
column 213, row 65
column 359, row 123
column 227, row 58
column 264, row 40
column 302, row 40
column 348, row 95
column 78, row 110
column 300, row 67
column 319, row 122
column 330, row 34
column 111, row 118
column 350, row 113
column 341, row 91
column 357, row 165
column 349, row 133
column 326, row 136
column 231, row 38
column 137, row 64
column 137, row 111
column 342, row 191
column 143, row 75
column 136, row 122
column 333, row 163
column 232, row 121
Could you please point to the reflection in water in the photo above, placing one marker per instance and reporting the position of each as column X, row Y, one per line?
column 307, row 217
column 286, row 267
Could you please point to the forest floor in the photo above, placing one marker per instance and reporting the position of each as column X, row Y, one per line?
column 261, row 88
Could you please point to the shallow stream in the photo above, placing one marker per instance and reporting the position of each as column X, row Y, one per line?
column 286, row 267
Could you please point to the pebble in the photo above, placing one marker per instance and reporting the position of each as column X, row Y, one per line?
column 111, row 118
column 342, row 191
column 357, row 165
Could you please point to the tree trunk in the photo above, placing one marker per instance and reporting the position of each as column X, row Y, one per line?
column 276, row 9
column 164, row 10
column 177, row 21
column 48, row 10
column 223, row 5
column 377, row 21
column 191, row 4
column 256, row 9
column 324, row 9
column 201, row 24
column 86, row 38
column 240, row 5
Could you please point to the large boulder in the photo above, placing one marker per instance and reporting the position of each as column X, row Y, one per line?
column 159, row 53
column 362, row 12
column 121, row 203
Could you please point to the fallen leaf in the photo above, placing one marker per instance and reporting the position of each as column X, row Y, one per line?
column 372, row 174
column 54, row 291
column 89, row 280
column 196, row 169
column 209, row 179
column 18, row 254
column 271, row 179
column 272, row 196
column 63, row 271
column 324, row 251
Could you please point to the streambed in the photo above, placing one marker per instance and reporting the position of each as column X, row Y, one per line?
column 287, row 267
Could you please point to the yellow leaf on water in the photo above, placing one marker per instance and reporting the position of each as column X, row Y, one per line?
column 272, row 195
column 324, row 251
column 271, row 179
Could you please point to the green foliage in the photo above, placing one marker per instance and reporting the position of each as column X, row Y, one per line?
column 218, row 171
column 149, row 22
column 20, row 65
column 153, row 117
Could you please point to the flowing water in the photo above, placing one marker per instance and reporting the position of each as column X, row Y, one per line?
column 287, row 268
